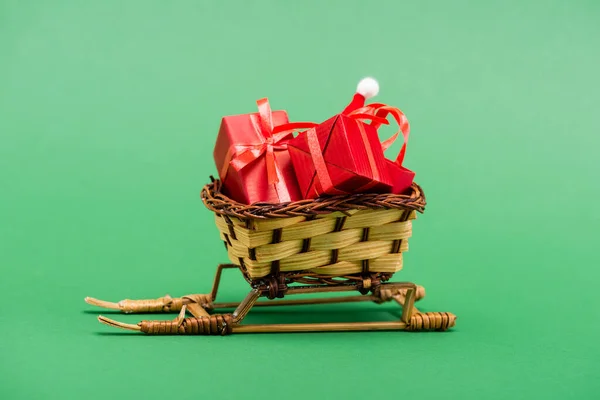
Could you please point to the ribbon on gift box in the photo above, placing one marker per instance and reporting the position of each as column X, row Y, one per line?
column 270, row 139
column 383, row 110
column 377, row 113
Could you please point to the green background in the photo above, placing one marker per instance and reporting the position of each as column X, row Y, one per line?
column 108, row 114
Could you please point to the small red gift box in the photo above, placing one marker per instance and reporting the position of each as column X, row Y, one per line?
column 342, row 155
column 252, row 158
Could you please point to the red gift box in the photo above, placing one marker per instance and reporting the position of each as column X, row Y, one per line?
column 252, row 158
column 342, row 155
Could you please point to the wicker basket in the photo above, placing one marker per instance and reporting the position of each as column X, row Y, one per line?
column 333, row 244
column 326, row 240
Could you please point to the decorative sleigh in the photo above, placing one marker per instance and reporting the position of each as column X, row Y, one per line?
column 351, row 243
column 337, row 242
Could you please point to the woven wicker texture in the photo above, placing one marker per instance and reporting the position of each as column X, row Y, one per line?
column 335, row 236
column 209, row 325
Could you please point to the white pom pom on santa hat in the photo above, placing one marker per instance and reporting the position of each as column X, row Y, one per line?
column 368, row 87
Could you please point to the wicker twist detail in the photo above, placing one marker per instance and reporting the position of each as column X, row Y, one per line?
column 165, row 304
column 162, row 304
column 218, row 324
column 387, row 294
column 431, row 321
column 204, row 300
column 223, row 205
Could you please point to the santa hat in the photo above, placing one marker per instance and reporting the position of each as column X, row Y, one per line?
column 367, row 88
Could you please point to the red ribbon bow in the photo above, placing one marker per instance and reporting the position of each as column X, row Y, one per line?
column 270, row 140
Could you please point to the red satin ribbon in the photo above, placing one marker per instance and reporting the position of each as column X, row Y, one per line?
column 382, row 111
column 370, row 156
column 319, row 162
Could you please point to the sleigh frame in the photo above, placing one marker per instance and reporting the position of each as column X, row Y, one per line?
column 325, row 246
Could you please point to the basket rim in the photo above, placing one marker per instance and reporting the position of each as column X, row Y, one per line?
column 216, row 201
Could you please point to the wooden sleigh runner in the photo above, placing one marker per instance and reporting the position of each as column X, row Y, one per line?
column 351, row 243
